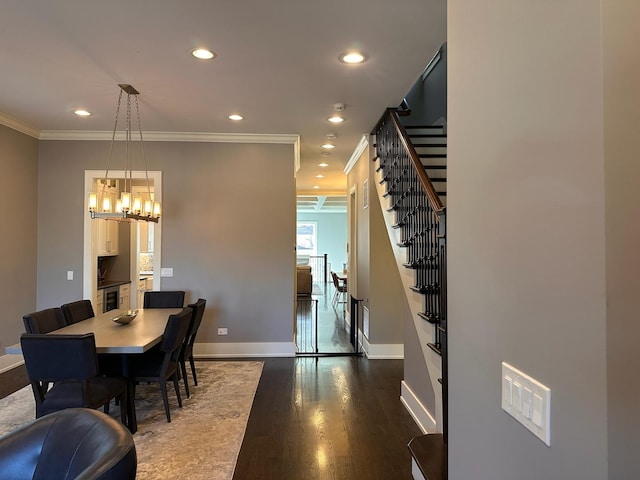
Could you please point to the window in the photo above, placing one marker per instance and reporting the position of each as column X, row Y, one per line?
column 306, row 238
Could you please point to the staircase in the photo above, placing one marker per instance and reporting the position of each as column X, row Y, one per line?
column 411, row 171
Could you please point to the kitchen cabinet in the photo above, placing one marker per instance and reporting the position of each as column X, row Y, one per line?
column 98, row 301
column 144, row 285
column 125, row 296
column 107, row 237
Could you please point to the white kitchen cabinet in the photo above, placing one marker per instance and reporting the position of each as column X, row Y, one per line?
column 107, row 237
column 125, row 296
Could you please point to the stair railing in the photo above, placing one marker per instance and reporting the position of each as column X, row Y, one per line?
column 420, row 215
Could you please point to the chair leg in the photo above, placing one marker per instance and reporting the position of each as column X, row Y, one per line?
column 183, row 367
column 193, row 370
column 123, row 406
column 176, row 385
column 165, row 399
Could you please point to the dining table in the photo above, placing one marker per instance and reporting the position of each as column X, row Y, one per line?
column 141, row 334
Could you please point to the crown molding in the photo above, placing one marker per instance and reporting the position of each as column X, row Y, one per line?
column 201, row 137
column 357, row 152
column 18, row 125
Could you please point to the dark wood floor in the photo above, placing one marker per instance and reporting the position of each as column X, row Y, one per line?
column 330, row 417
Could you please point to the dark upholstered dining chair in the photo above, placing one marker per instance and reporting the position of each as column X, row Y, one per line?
column 164, row 299
column 160, row 364
column 44, row 321
column 77, row 311
column 186, row 354
column 70, row 444
column 69, row 362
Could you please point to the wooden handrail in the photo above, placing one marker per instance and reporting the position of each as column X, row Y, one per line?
column 425, row 181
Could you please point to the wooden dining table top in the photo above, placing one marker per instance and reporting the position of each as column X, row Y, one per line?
column 140, row 335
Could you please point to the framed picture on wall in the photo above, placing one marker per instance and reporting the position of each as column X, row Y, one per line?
column 365, row 194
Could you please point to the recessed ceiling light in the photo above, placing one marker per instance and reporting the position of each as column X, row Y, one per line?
column 316, row 186
column 336, row 119
column 203, row 53
column 325, row 154
column 323, row 164
column 319, row 176
column 352, row 57
column 82, row 113
column 328, row 146
column 235, row 117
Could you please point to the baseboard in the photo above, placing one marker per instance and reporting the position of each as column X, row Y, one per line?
column 425, row 421
column 7, row 362
column 381, row 351
column 223, row 350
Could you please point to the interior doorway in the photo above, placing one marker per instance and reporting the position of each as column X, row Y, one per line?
column 90, row 253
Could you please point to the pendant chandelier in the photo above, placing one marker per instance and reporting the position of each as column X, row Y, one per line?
column 126, row 207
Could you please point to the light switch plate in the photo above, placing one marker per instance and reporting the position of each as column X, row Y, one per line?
column 528, row 401
column 166, row 272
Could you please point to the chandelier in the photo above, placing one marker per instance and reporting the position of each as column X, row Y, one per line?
column 127, row 207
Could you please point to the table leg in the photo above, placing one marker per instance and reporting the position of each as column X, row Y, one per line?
column 132, row 420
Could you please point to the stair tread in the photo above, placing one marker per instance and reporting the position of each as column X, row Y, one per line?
column 430, row 454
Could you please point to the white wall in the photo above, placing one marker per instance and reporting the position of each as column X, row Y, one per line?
column 526, row 243
column 332, row 236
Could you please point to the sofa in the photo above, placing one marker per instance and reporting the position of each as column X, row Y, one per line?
column 304, row 280
column 74, row 443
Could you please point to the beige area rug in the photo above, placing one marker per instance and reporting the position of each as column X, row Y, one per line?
column 204, row 437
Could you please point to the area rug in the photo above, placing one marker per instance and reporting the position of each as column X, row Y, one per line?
column 204, row 437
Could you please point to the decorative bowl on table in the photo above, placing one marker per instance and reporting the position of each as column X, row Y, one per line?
column 126, row 317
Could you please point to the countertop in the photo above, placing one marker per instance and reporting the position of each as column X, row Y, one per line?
column 112, row 283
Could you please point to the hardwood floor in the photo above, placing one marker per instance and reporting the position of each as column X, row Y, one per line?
column 330, row 417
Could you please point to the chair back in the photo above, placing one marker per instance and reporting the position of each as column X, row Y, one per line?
column 175, row 333
column 77, row 311
column 44, row 321
column 196, row 319
column 53, row 358
column 164, row 299
column 336, row 282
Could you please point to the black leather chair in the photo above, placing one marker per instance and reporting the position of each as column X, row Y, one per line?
column 75, row 443
column 71, row 364
column 186, row 354
column 77, row 311
column 164, row 299
column 44, row 321
column 161, row 364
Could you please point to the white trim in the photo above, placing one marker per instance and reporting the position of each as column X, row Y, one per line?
column 416, row 409
column 381, row 351
column 7, row 362
column 357, row 153
column 18, row 125
column 225, row 350
column 416, row 473
column 292, row 139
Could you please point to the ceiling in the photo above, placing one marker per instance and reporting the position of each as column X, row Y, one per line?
column 276, row 64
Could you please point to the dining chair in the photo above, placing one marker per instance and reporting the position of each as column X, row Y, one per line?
column 164, row 299
column 77, row 311
column 44, row 321
column 186, row 353
column 69, row 362
column 160, row 364
column 340, row 290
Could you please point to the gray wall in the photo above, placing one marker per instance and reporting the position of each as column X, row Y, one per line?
column 526, row 235
column 622, row 176
column 18, row 198
column 428, row 99
column 215, row 233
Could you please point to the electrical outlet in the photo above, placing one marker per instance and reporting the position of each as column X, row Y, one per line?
column 69, row 274
column 222, row 331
